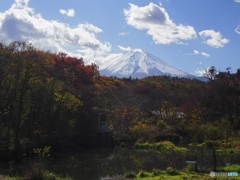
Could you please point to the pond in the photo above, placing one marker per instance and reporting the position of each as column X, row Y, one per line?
column 100, row 163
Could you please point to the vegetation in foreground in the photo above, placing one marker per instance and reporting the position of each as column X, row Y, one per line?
column 34, row 168
column 45, row 176
column 171, row 173
column 155, row 174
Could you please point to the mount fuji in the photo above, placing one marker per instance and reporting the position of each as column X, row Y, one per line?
column 140, row 64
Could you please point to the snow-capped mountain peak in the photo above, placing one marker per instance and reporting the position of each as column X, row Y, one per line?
column 139, row 63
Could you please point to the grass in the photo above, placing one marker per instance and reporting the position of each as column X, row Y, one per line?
column 171, row 173
column 177, row 175
column 230, row 168
column 159, row 146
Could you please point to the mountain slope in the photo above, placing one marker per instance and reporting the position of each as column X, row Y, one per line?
column 139, row 64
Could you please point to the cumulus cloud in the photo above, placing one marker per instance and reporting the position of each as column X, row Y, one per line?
column 196, row 52
column 213, row 38
column 155, row 19
column 69, row 12
column 21, row 23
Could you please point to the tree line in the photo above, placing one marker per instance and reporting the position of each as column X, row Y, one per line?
column 45, row 94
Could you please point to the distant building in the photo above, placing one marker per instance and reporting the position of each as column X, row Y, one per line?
column 166, row 114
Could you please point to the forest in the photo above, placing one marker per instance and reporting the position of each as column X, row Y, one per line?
column 45, row 94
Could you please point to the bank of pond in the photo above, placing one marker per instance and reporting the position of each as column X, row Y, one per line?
column 161, row 160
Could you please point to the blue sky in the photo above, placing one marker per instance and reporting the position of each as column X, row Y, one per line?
column 188, row 34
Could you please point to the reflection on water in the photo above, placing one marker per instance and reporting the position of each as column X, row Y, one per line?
column 92, row 164
column 96, row 164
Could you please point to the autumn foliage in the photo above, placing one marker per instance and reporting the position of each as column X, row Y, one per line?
column 46, row 94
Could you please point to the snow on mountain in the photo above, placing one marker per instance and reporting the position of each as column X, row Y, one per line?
column 139, row 64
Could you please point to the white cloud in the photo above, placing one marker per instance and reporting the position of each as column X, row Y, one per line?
column 238, row 1
column 128, row 49
column 205, row 54
column 213, row 38
column 69, row 12
column 21, row 23
column 22, row 2
column 196, row 52
column 124, row 48
column 123, row 33
column 158, row 24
